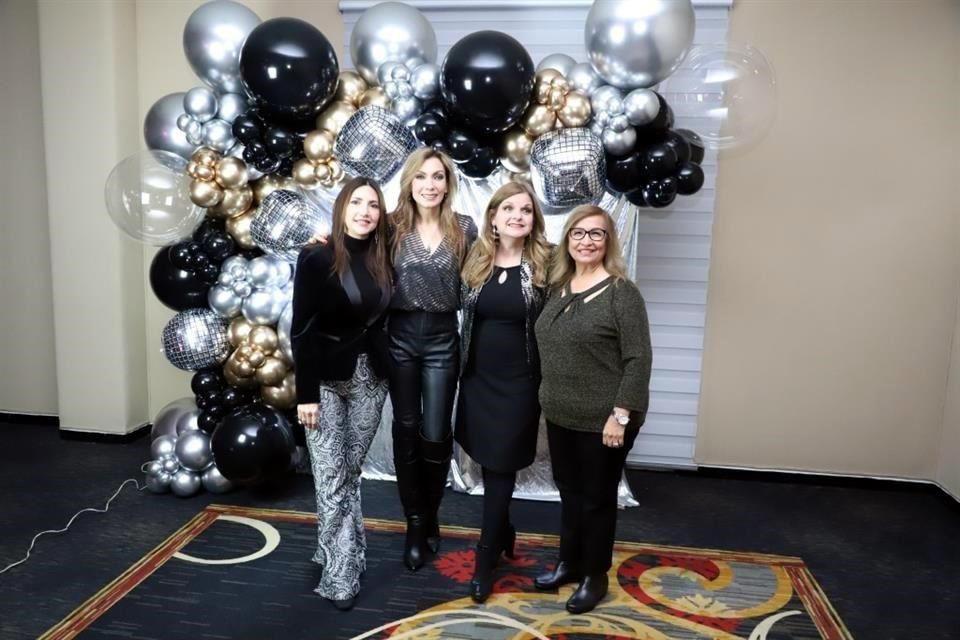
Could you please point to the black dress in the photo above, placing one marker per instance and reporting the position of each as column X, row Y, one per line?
column 498, row 412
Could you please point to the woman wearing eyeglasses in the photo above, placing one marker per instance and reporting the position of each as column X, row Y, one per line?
column 595, row 355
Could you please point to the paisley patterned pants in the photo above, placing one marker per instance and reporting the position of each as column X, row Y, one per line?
column 348, row 421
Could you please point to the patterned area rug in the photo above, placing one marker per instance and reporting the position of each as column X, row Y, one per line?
column 234, row 572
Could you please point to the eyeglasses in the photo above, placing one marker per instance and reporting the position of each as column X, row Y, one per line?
column 595, row 234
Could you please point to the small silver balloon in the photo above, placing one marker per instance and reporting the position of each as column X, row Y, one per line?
column 283, row 332
column 165, row 422
column 641, row 107
column 160, row 130
column 602, row 96
column 406, row 108
column 218, row 134
column 638, row 43
column 170, row 463
column 212, row 40
column 201, row 103
column 264, row 306
column 194, row 131
column 154, row 468
column 558, row 62
column 262, row 271
column 425, row 81
column 193, row 450
column 385, row 72
column 619, row 143
column 159, row 483
column 584, row 79
column 242, row 288
column 231, row 106
column 189, row 421
column 390, row 31
column 163, row 445
column 214, row 482
column 185, row 483
column 224, row 301
column 236, row 266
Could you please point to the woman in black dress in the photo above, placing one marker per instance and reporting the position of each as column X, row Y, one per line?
column 504, row 279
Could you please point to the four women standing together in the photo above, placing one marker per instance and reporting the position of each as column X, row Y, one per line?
column 574, row 315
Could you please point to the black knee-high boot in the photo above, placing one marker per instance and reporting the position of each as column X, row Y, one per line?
column 406, row 460
column 435, row 469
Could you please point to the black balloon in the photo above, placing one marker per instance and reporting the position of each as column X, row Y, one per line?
column 461, row 145
column 637, row 197
column 680, row 145
column 430, row 127
column 289, row 68
column 486, row 80
column 248, row 128
column 253, row 445
column 485, row 161
column 208, row 422
column 624, row 173
column 233, row 397
column 665, row 118
column 695, row 142
column 659, row 160
column 207, row 380
column 174, row 286
column 660, row 193
column 689, row 179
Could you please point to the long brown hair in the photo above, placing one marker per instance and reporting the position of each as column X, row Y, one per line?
column 562, row 266
column 378, row 256
column 404, row 218
column 479, row 264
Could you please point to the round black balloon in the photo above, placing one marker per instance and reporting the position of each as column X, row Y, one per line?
column 660, row 193
column 462, row 146
column 485, row 161
column 289, row 68
column 218, row 245
column 208, row 422
column 174, row 286
column 209, row 398
column 280, row 142
column 207, row 380
column 233, row 397
column 430, row 127
column 689, row 179
column 486, row 81
column 679, row 144
column 696, row 144
column 624, row 174
column 665, row 118
column 637, row 197
column 253, row 445
column 248, row 127
column 659, row 160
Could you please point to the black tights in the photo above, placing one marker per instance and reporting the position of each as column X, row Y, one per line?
column 497, row 493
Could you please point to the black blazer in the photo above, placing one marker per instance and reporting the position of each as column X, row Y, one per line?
column 329, row 328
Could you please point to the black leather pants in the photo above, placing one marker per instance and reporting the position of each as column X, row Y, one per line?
column 424, row 348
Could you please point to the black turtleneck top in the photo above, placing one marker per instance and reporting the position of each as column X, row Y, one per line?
column 331, row 327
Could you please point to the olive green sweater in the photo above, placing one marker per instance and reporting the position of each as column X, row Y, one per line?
column 594, row 356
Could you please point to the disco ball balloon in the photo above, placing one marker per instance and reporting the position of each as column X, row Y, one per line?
column 567, row 167
column 374, row 143
column 196, row 339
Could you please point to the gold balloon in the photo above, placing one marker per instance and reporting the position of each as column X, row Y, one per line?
column 206, row 156
column 375, row 96
column 272, row 371
column 264, row 338
column 268, row 184
column 205, row 194
column 334, row 116
column 239, row 381
column 516, row 150
column 204, row 172
column 236, row 201
column 232, row 173
column 318, row 145
column 350, row 87
column 283, row 396
column 239, row 329
column 576, row 110
column 543, row 85
column 303, row 174
column 322, row 172
column 256, row 358
column 336, row 171
column 538, row 120
column 239, row 230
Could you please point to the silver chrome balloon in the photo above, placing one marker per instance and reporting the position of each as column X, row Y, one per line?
column 231, row 106
column 224, row 301
column 212, row 40
column 218, row 134
column 159, row 483
column 160, row 130
column 374, row 143
column 264, row 306
column 165, row 422
column 425, row 81
column 287, row 219
column 188, row 421
column 638, row 43
column 610, row 123
column 201, row 103
column 193, row 450
column 390, row 31
column 584, row 79
column 214, row 482
column 641, row 106
column 619, row 143
column 283, row 332
column 195, row 339
column 185, row 483
column 559, row 62
column 163, row 445
column 567, row 167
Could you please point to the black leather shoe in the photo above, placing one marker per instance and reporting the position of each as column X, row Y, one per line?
column 432, row 529
column 414, row 544
column 588, row 595
column 563, row 574
column 344, row 605
column 482, row 583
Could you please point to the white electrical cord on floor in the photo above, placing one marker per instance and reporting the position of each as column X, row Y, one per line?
column 92, row 509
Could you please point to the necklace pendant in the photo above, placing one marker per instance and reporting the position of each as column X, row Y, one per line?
column 503, row 277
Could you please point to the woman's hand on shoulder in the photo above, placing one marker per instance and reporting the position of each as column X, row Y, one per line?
column 308, row 414
column 320, row 239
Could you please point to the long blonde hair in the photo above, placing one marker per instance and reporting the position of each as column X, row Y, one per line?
column 479, row 264
column 562, row 266
column 404, row 218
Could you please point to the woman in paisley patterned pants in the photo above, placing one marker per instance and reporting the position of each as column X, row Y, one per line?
column 341, row 293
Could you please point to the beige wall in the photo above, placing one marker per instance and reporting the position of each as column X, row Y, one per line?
column 28, row 380
column 835, row 264
column 948, row 469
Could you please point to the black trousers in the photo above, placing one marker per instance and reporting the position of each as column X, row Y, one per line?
column 425, row 354
column 497, row 493
column 587, row 475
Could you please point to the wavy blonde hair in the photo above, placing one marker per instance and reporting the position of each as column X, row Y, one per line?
column 479, row 264
column 404, row 218
column 562, row 266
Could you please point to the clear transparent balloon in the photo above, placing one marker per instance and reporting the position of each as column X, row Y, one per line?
column 148, row 197
column 730, row 90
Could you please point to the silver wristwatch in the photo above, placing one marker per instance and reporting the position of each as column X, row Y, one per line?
column 623, row 419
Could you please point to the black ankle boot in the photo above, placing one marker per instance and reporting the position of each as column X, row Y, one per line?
column 509, row 542
column 561, row 575
column 589, row 594
column 432, row 529
column 482, row 583
column 413, row 548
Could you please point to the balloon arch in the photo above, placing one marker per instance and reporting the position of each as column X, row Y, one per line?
column 241, row 171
